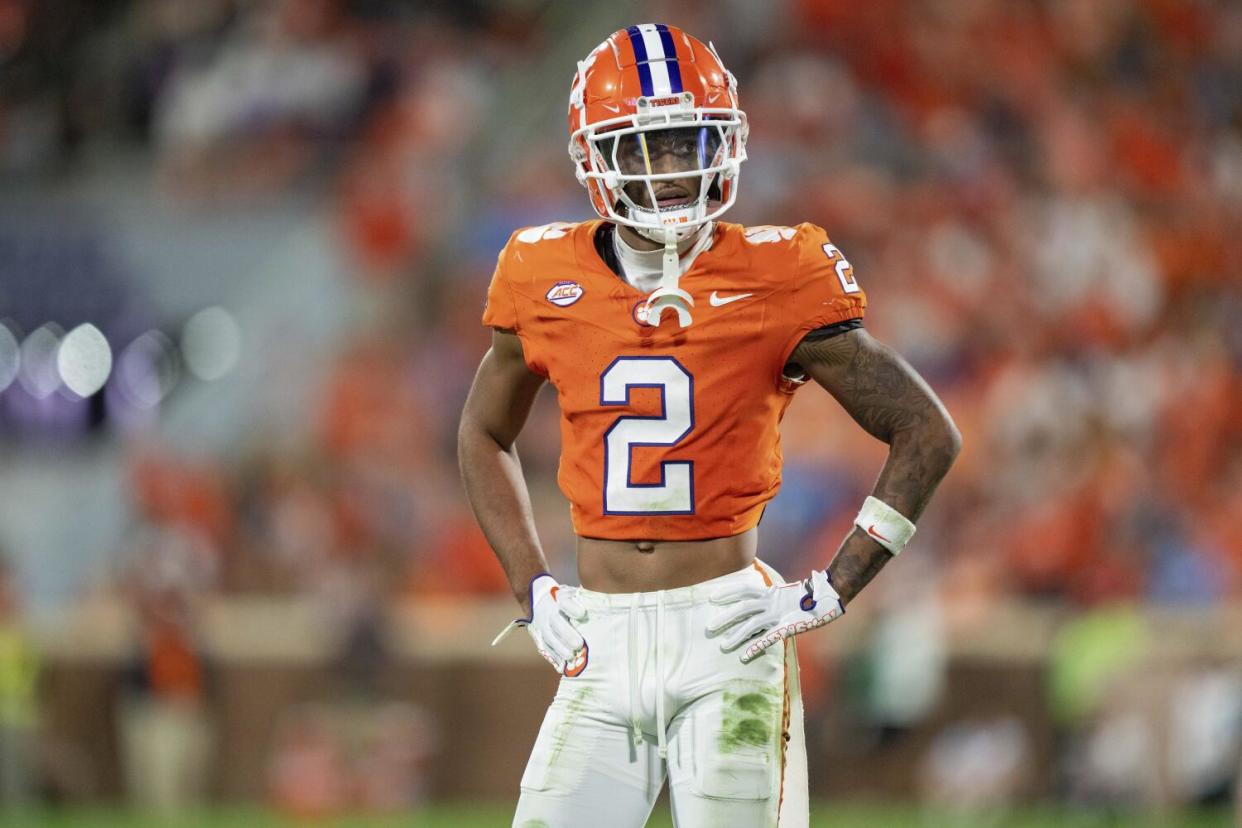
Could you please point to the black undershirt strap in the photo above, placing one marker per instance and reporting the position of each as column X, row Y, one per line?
column 605, row 248
column 835, row 329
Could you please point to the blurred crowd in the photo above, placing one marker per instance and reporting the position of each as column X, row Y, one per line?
column 1043, row 201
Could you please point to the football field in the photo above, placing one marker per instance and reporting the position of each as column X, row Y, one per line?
column 825, row 815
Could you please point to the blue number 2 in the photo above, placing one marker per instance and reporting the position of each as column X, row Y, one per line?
column 674, row 493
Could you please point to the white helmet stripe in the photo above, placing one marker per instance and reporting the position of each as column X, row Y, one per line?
column 656, row 57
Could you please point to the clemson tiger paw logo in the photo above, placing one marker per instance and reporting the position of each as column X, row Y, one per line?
column 578, row 663
column 640, row 313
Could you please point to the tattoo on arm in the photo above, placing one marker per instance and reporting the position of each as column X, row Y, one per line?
column 857, row 561
column 891, row 402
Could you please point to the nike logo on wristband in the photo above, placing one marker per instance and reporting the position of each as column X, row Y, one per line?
column 871, row 531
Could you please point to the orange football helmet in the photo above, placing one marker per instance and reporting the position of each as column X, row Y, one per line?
column 647, row 92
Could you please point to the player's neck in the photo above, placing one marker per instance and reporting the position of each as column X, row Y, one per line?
column 643, row 267
column 631, row 238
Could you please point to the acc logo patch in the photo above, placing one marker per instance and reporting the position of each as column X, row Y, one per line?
column 564, row 294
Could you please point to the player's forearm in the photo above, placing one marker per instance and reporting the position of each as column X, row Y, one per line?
column 918, row 460
column 892, row 403
column 857, row 561
column 501, row 502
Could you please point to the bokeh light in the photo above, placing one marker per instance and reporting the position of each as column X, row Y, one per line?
column 10, row 355
column 38, row 373
column 84, row 360
column 211, row 343
column 147, row 370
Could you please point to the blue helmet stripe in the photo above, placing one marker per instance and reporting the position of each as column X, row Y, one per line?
column 640, row 57
column 670, row 57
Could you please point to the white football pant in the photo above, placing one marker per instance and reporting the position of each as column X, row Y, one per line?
column 658, row 698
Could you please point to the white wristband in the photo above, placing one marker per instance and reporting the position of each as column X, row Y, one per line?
column 884, row 524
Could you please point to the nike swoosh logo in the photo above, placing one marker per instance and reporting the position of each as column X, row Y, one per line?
column 871, row 531
column 612, row 108
column 716, row 301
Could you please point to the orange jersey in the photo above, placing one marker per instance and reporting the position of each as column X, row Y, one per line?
column 670, row 433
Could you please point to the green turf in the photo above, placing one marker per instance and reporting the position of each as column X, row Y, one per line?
column 826, row 815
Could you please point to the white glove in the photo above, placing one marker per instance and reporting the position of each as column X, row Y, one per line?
column 773, row 613
column 552, row 607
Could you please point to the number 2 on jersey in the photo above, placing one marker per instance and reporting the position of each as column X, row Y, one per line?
column 674, row 493
column 845, row 270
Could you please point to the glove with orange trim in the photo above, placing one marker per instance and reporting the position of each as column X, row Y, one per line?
column 552, row 609
column 761, row 616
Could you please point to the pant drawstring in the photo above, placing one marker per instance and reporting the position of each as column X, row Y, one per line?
column 661, row 736
column 632, row 657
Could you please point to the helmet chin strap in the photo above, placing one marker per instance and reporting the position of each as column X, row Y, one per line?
column 668, row 294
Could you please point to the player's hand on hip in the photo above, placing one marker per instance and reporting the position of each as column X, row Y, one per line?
column 553, row 609
column 761, row 616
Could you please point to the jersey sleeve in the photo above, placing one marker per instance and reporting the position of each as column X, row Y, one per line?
column 501, row 309
column 821, row 291
column 507, row 307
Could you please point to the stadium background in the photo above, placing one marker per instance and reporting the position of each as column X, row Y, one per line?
column 239, row 577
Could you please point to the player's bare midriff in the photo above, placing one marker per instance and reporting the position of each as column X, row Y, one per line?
column 650, row 565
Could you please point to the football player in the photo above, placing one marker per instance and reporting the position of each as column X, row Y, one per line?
column 675, row 342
